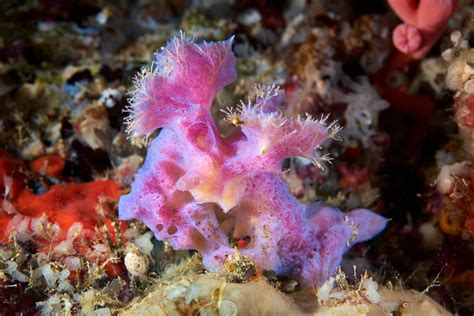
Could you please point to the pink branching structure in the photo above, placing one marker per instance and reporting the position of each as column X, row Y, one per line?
column 424, row 23
column 198, row 190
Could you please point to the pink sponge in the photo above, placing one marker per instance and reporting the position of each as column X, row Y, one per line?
column 424, row 24
column 197, row 190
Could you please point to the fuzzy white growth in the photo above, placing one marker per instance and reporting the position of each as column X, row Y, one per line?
column 265, row 95
column 324, row 291
column 264, row 116
column 337, row 290
column 52, row 306
column 67, row 246
column 363, row 102
column 144, row 243
column 267, row 92
column 363, row 107
column 138, row 96
column 371, row 290
column 333, row 128
column 319, row 161
column 56, row 280
column 256, row 115
column 12, row 270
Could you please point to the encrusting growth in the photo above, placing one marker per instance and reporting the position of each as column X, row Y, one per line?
column 197, row 190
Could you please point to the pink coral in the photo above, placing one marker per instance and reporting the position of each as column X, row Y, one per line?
column 197, row 190
column 424, row 23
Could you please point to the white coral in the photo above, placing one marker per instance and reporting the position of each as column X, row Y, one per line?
column 363, row 102
column 362, row 113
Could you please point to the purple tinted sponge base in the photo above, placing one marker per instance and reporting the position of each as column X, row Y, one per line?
column 196, row 190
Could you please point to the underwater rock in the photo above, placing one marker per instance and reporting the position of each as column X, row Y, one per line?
column 210, row 294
